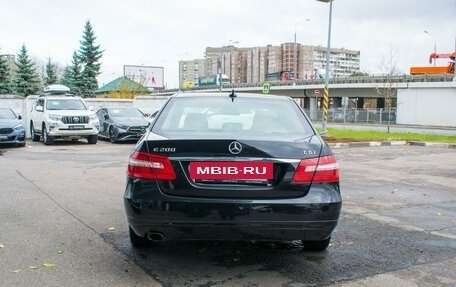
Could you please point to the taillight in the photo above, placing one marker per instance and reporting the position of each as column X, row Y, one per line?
column 150, row 166
column 322, row 169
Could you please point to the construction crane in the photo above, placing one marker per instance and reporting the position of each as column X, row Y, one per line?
column 438, row 69
column 434, row 56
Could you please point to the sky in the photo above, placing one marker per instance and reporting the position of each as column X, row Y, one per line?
column 160, row 33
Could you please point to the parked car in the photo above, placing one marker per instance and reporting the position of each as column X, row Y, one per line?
column 232, row 167
column 12, row 130
column 123, row 123
column 57, row 114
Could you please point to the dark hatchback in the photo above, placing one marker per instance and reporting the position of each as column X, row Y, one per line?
column 232, row 167
column 12, row 131
column 123, row 123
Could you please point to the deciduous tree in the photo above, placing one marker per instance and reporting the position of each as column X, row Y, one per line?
column 389, row 69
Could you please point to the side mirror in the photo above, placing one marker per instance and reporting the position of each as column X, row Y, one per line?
column 106, row 117
column 39, row 108
column 91, row 108
column 19, row 117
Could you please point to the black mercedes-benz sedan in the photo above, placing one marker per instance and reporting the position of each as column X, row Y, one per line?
column 232, row 166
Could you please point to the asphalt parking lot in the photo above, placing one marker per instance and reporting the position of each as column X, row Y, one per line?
column 62, row 223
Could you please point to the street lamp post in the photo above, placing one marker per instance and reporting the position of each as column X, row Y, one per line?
column 326, row 91
column 221, row 62
column 220, row 71
column 295, row 53
column 435, row 45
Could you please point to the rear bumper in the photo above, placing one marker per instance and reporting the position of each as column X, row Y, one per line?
column 312, row 217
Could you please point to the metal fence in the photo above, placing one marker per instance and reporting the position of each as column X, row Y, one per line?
column 341, row 115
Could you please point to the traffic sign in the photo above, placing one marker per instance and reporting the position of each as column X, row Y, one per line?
column 266, row 88
column 317, row 92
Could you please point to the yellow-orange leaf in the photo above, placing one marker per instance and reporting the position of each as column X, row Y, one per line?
column 47, row 265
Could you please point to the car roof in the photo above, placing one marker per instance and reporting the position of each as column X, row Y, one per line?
column 54, row 97
column 227, row 94
column 119, row 107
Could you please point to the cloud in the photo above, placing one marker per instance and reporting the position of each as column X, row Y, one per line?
column 160, row 33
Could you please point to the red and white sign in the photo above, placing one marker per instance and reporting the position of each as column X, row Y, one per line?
column 233, row 170
column 317, row 92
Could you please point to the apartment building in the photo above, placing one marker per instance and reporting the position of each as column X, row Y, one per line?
column 251, row 65
column 190, row 71
column 343, row 62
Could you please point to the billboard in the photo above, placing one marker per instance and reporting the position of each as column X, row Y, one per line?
column 210, row 80
column 149, row 77
column 280, row 76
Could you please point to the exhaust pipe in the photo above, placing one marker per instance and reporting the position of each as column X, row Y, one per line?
column 155, row 236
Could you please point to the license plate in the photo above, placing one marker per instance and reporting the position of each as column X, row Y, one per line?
column 76, row 127
column 223, row 170
column 3, row 138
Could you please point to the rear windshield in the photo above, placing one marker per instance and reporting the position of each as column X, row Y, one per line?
column 217, row 115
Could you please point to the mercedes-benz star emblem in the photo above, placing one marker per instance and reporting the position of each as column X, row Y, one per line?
column 235, row 147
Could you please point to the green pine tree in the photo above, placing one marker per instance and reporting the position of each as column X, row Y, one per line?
column 5, row 79
column 50, row 77
column 89, row 56
column 26, row 80
column 72, row 75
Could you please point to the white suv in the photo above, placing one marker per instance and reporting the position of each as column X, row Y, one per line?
column 58, row 115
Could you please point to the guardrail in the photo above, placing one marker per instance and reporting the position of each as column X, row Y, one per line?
column 343, row 80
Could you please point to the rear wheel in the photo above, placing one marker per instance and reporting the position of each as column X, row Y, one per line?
column 137, row 241
column 319, row 245
column 46, row 138
column 33, row 135
column 92, row 139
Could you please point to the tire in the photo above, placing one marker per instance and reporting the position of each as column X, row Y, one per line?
column 112, row 135
column 47, row 140
column 92, row 139
column 316, row 245
column 137, row 241
column 33, row 135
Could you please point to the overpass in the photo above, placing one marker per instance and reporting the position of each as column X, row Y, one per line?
column 363, row 86
column 418, row 99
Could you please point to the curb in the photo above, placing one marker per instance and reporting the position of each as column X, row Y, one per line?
column 390, row 143
column 432, row 144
